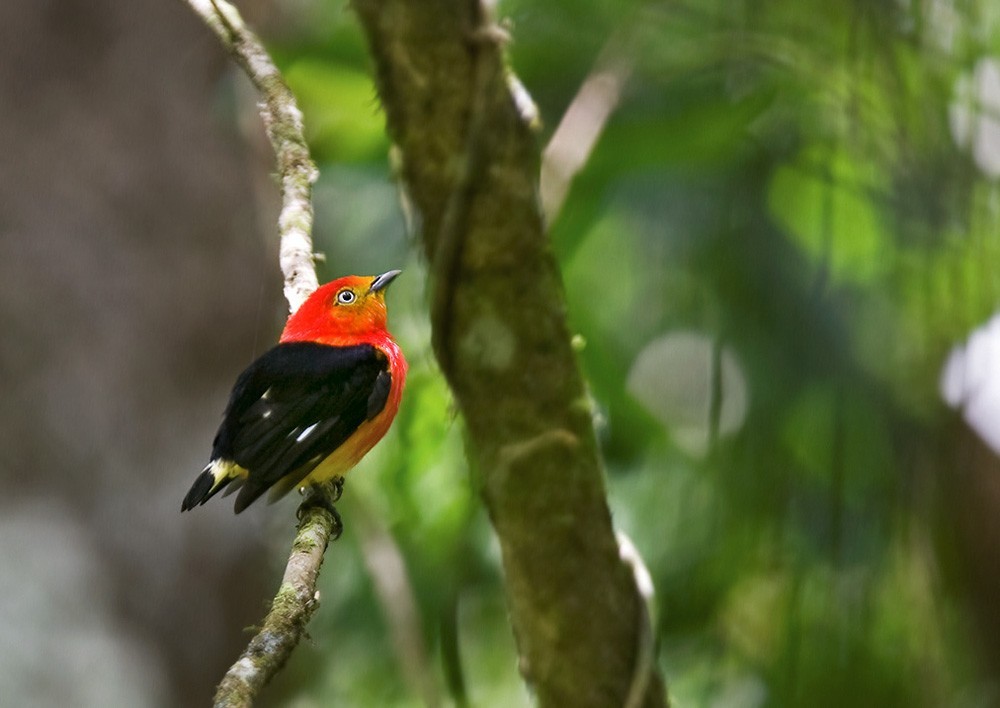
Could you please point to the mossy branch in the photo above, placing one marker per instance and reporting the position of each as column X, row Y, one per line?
column 470, row 162
column 297, row 598
column 291, row 609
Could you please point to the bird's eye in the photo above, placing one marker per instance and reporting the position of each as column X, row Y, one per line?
column 345, row 297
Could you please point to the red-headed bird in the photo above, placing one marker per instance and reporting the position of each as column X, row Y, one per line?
column 310, row 408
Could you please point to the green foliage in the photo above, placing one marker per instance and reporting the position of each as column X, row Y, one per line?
column 780, row 184
column 347, row 129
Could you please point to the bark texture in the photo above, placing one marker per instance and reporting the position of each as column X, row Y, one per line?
column 470, row 163
column 292, row 608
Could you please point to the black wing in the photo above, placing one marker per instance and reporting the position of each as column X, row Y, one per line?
column 294, row 406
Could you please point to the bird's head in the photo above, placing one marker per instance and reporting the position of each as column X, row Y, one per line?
column 342, row 310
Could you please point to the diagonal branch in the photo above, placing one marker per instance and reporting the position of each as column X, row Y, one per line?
column 387, row 568
column 283, row 122
column 470, row 161
column 297, row 598
column 291, row 610
column 582, row 124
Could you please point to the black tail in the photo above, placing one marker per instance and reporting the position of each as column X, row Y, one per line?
column 201, row 491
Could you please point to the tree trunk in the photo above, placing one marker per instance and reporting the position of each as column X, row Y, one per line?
column 470, row 163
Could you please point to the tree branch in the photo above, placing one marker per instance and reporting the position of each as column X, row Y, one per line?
column 470, row 161
column 283, row 122
column 582, row 124
column 291, row 610
column 387, row 569
column 297, row 598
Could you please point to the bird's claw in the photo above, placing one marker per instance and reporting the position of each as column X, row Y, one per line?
column 338, row 525
column 325, row 500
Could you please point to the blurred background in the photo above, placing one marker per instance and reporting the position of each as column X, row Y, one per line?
column 781, row 261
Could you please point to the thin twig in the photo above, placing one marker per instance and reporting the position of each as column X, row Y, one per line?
column 297, row 598
column 582, row 124
column 291, row 610
column 645, row 654
column 396, row 595
column 283, row 122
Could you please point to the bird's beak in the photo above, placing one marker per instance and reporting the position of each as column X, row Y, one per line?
column 381, row 282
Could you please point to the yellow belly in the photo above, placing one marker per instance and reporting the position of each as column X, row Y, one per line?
column 341, row 460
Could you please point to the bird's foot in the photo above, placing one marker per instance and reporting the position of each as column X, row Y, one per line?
column 337, row 484
column 325, row 498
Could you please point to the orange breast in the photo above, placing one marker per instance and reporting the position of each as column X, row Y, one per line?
column 371, row 431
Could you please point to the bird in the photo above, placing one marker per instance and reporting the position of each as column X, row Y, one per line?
column 307, row 410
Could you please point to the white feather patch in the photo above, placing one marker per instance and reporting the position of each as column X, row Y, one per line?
column 305, row 433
